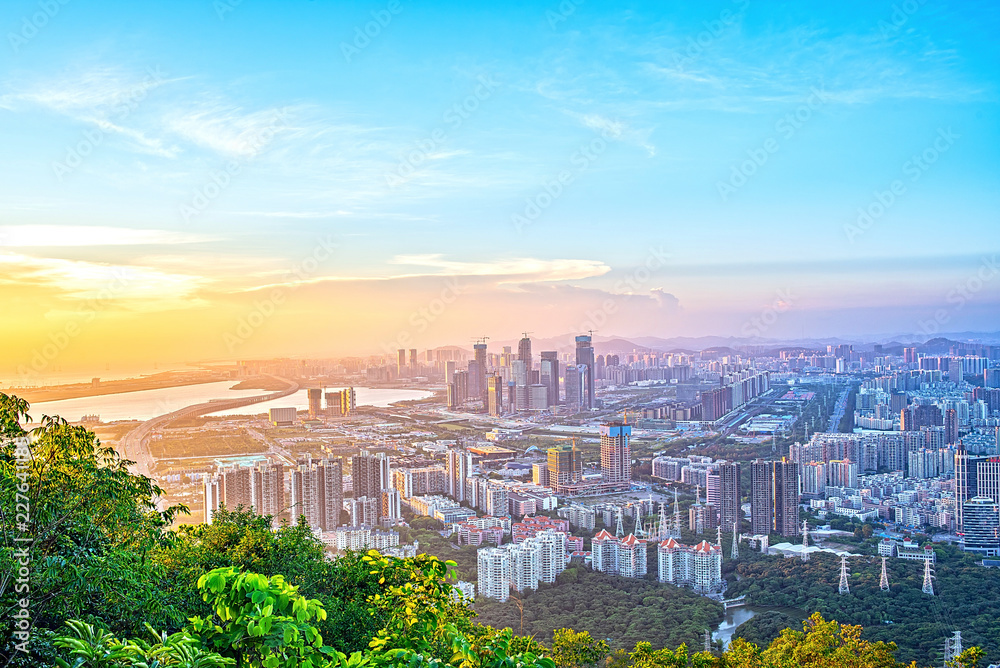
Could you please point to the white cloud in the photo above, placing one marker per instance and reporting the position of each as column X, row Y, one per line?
column 516, row 269
column 134, row 287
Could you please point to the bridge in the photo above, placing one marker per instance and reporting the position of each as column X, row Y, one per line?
column 134, row 445
column 734, row 602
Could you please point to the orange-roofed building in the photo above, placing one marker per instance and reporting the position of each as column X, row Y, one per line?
column 698, row 567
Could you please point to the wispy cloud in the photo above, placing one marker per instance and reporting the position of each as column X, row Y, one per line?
column 132, row 287
column 51, row 236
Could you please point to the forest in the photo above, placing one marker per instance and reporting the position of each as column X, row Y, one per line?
column 966, row 598
column 93, row 576
column 622, row 610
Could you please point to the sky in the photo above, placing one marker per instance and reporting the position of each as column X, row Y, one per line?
column 246, row 178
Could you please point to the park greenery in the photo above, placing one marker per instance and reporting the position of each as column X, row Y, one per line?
column 966, row 597
column 624, row 611
column 95, row 577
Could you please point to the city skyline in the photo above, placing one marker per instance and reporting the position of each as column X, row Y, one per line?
column 730, row 170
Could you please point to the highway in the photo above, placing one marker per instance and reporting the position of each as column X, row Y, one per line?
column 134, row 445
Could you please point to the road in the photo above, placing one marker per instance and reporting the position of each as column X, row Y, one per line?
column 134, row 445
column 838, row 412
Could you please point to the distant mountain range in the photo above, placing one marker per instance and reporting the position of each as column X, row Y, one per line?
column 723, row 344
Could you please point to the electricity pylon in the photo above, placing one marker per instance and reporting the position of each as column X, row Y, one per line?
column 928, row 587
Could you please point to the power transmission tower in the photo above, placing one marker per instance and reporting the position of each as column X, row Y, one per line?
column 805, row 540
column 928, row 587
column 736, row 542
column 676, row 529
column 883, row 583
column 845, row 587
column 664, row 522
column 619, row 529
column 639, row 532
column 952, row 647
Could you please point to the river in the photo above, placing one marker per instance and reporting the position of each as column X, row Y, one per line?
column 736, row 616
column 147, row 404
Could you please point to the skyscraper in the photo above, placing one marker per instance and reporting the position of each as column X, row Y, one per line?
column 565, row 464
column 549, row 375
column 260, row 488
column 982, row 526
column 494, row 395
column 401, row 362
column 494, row 573
column 616, row 457
column 315, row 395
column 730, row 494
column 974, row 476
column 459, row 468
column 477, row 385
column 576, row 387
column 269, row 490
column 786, row 498
column 522, row 378
column 370, row 474
column 585, row 357
column 774, row 498
column 318, row 493
column 524, row 353
column 761, row 498
column 951, row 426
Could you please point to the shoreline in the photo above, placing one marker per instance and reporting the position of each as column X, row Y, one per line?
column 159, row 381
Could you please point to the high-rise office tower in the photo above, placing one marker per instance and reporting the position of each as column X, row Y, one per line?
column 494, row 395
column 549, row 375
column 459, row 468
column 565, row 465
column 774, row 498
column 414, row 365
column 370, row 474
column 315, row 395
column 974, row 476
column 521, row 382
column 729, row 494
column 401, row 362
column 616, row 457
column 524, row 352
column 951, row 426
column 477, row 385
column 585, row 357
column 576, row 387
column 982, row 526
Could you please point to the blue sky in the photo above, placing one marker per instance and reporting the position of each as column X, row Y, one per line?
column 644, row 109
